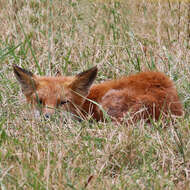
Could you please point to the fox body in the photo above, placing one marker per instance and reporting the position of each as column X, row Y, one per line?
column 146, row 95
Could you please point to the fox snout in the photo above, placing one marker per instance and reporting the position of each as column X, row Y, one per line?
column 48, row 111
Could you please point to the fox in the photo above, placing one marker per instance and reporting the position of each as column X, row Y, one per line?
column 146, row 95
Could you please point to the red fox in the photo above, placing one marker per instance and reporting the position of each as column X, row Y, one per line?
column 146, row 95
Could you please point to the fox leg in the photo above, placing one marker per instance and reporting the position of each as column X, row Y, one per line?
column 122, row 105
column 146, row 107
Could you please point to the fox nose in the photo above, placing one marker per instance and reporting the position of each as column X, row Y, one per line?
column 48, row 111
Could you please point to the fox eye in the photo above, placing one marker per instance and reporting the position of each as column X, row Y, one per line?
column 40, row 101
column 62, row 102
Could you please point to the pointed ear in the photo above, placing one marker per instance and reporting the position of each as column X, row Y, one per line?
column 83, row 81
column 26, row 79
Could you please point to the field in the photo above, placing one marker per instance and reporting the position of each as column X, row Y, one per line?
column 121, row 38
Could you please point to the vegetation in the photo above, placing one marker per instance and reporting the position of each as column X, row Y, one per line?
column 120, row 37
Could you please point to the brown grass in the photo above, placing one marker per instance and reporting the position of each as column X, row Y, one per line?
column 121, row 37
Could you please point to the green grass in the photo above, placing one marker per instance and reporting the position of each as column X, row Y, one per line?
column 70, row 36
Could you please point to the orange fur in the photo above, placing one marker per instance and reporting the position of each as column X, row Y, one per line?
column 152, row 92
column 145, row 95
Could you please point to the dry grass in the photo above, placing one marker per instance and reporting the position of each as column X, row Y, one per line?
column 121, row 37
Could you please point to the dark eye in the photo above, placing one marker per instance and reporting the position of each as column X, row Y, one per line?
column 40, row 101
column 62, row 102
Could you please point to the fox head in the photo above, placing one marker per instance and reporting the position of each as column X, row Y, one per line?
column 46, row 94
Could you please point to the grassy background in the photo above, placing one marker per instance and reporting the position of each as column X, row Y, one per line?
column 121, row 37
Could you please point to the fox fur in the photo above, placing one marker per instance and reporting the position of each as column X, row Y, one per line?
column 146, row 95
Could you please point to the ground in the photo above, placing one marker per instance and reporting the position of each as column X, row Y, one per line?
column 121, row 38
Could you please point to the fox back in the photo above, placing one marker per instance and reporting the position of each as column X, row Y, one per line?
column 146, row 95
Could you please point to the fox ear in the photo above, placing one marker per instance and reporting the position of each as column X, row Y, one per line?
column 83, row 81
column 26, row 79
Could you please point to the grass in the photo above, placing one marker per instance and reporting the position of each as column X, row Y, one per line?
column 70, row 36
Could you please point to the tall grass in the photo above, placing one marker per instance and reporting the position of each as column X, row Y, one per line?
column 121, row 37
